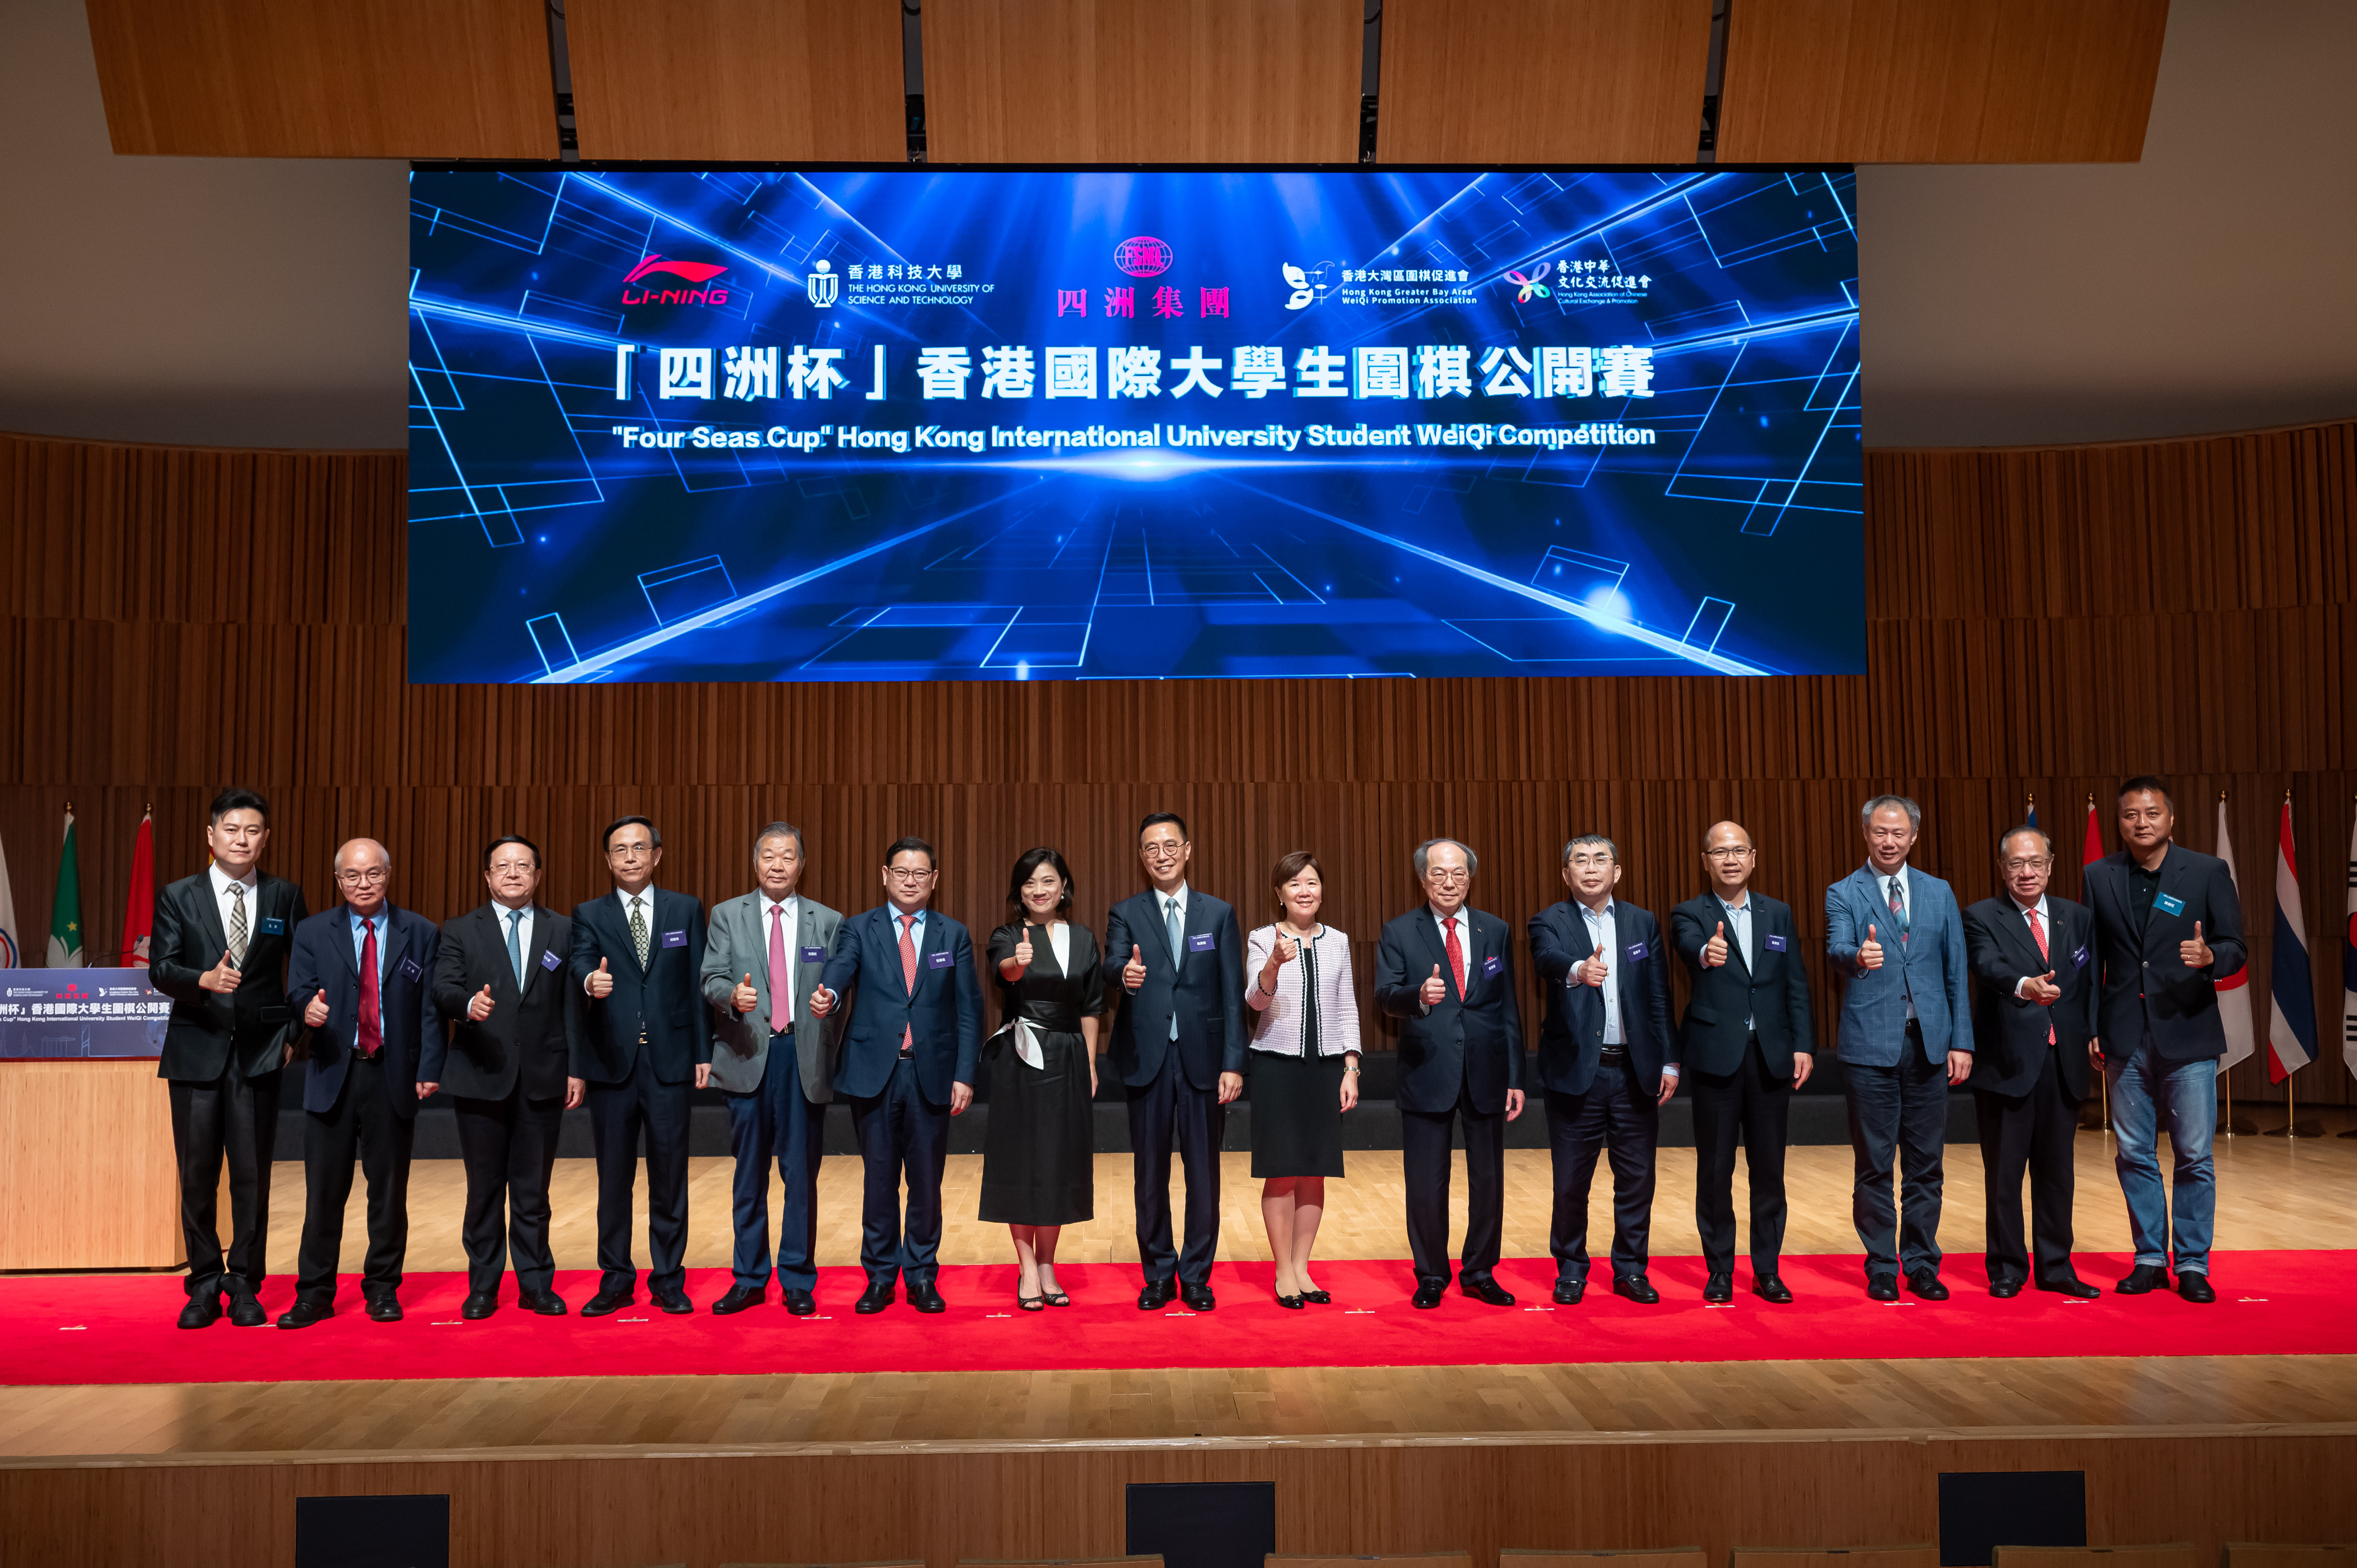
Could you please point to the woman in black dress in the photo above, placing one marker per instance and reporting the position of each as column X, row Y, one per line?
column 1039, row 1163
column 1305, row 1067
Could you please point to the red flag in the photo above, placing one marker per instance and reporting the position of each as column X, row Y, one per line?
column 139, row 907
column 2095, row 837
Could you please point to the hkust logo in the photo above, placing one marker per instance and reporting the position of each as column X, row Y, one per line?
column 690, row 273
column 824, row 283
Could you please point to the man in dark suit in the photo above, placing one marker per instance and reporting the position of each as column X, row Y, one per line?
column 1605, row 1061
column 2033, row 956
column 638, row 957
column 362, row 973
column 221, row 938
column 1178, row 955
column 1746, row 1045
column 2168, row 927
column 507, row 1066
column 776, row 1063
column 1447, row 972
column 907, row 1066
column 1895, row 934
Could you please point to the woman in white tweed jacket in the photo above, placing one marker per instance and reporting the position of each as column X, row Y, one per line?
column 1305, row 1067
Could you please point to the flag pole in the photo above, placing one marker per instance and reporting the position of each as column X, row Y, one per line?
column 2351, row 1133
column 2102, row 1080
column 2293, row 1126
column 2226, row 1129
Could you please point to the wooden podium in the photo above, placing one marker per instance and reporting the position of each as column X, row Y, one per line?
column 87, row 1176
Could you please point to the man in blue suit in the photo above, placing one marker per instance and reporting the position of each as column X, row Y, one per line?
column 906, row 1065
column 1897, row 936
column 362, row 972
column 1606, row 1063
column 1178, row 955
column 638, row 956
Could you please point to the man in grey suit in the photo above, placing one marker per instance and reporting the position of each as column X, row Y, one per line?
column 761, row 962
column 1897, row 936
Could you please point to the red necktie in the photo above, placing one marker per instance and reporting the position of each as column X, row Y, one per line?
column 781, row 979
column 1455, row 957
column 371, row 1020
column 2038, row 930
column 909, row 976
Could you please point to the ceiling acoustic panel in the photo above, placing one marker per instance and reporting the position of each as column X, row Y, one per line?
column 1963, row 81
column 309, row 79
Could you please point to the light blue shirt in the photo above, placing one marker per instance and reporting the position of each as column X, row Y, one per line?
column 360, row 925
column 1604, row 931
column 916, row 932
column 1738, row 920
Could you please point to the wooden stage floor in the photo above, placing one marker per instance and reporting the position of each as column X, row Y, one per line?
column 2273, row 1193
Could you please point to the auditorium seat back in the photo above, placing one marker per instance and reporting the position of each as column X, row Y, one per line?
column 2266, row 1554
column 1391, row 1559
column 1923, row 1555
column 2176, row 1554
column 1658, row 1557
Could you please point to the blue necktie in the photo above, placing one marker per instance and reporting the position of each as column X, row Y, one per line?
column 1172, row 924
column 515, row 945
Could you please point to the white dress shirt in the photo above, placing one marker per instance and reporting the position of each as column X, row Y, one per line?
column 253, row 885
column 1464, row 918
column 2044, row 920
column 1604, row 931
column 500, row 912
column 791, row 930
column 655, row 937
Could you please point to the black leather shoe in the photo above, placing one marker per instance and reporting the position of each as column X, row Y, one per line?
column 1882, row 1287
column 2196, row 1287
column 2144, row 1277
column 1318, row 1297
column 546, row 1302
column 245, row 1312
column 385, row 1309
column 925, row 1298
column 2071, row 1286
column 801, row 1303
column 1158, row 1295
column 1290, row 1303
column 738, row 1298
column 202, row 1311
column 606, row 1301
column 1197, row 1298
column 304, row 1314
column 1428, row 1294
column 673, row 1302
column 1636, row 1288
column 1771, row 1287
column 872, row 1300
column 2005, row 1290
column 479, row 1305
column 1487, row 1290
column 1718, row 1288
column 1569, row 1292
column 1926, row 1284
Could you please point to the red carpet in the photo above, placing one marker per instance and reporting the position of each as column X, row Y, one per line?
column 118, row 1329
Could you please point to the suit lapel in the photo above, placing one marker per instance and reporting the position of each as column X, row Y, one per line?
column 344, row 954
column 492, row 919
column 209, row 919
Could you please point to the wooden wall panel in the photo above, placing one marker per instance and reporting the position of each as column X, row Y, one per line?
column 357, row 78
column 61, row 1207
column 1122, row 81
column 757, row 80
column 1938, row 80
column 1561, row 82
column 2040, row 622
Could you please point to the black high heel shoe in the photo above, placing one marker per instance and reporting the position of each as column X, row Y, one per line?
column 1290, row 1303
column 1318, row 1298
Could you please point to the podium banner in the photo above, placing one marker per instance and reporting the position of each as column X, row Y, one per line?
column 73, row 1015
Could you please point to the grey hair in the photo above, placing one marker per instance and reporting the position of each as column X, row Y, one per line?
column 1884, row 802
column 1424, row 852
column 2010, row 835
column 1590, row 841
column 336, row 864
column 779, row 830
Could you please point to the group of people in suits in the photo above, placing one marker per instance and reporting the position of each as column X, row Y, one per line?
column 519, row 1013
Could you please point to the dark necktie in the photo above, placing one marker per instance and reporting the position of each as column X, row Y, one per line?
column 1456, row 956
column 371, row 1018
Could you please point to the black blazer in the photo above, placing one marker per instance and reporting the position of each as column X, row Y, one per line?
column 1470, row 1043
column 665, row 999
column 1771, row 989
column 1571, row 1035
column 324, row 961
column 1206, row 992
column 2009, row 1033
column 941, row 1015
column 531, row 1036
column 248, row 1028
column 2145, row 984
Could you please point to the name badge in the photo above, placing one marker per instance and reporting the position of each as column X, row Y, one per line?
column 1199, row 944
column 2078, row 957
column 1493, row 964
column 1636, row 951
column 409, row 969
column 942, row 959
column 813, row 955
column 674, row 939
column 549, row 961
column 272, row 926
column 2162, row 901
column 1778, row 944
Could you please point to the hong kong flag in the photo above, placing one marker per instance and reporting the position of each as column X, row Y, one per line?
column 139, row 907
column 2095, row 837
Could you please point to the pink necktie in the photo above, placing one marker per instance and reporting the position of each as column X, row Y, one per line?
column 781, row 979
column 2038, row 930
column 908, row 976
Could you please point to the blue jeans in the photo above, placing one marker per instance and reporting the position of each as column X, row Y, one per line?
column 2146, row 1087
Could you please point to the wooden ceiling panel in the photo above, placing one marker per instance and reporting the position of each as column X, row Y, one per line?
column 357, row 79
column 757, row 80
column 1543, row 81
column 1120, row 81
column 1938, row 80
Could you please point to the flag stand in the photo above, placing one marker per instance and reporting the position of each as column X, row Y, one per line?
column 2293, row 1127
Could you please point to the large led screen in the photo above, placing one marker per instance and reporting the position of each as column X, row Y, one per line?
column 984, row 425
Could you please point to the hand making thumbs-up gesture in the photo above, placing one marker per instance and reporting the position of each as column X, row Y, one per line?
column 315, row 1015
column 1023, row 949
column 1436, row 990
column 1714, row 951
column 222, row 977
column 1133, row 973
column 743, row 998
column 479, row 1005
column 1869, row 956
column 2195, row 953
column 601, row 983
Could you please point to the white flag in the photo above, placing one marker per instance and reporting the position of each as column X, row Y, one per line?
column 9, row 950
column 2234, row 992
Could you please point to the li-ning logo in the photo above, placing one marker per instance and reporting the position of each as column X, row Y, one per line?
column 1143, row 256
column 1533, row 285
column 822, row 285
column 691, row 272
column 1302, row 293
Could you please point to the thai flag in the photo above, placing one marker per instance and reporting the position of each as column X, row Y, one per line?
column 2234, row 992
column 2291, row 1027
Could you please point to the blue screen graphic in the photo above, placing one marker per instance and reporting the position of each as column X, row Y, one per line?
column 970, row 425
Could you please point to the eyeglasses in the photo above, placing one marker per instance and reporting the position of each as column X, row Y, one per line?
column 1591, row 862
column 1163, row 850
column 901, row 873
column 1448, row 876
column 368, row 878
column 1737, row 852
column 2040, row 863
